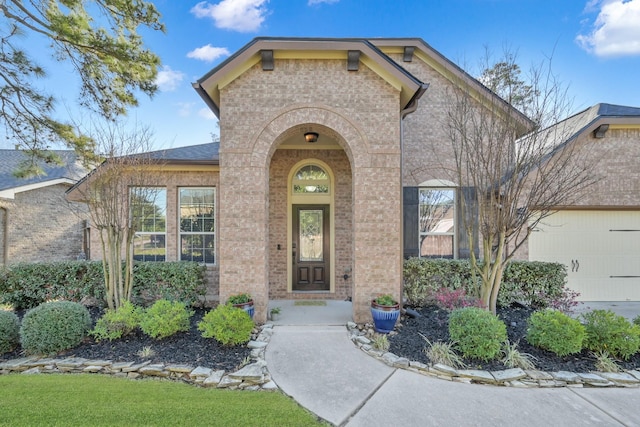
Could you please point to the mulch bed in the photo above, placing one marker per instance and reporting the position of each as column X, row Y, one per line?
column 187, row 348
column 433, row 324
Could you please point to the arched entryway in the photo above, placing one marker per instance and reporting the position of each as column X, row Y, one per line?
column 310, row 223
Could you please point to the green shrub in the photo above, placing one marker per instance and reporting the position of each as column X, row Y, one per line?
column 9, row 331
column 227, row 324
column 115, row 324
column 424, row 277
column 26, row 286
column 609, row 332
column 173, row 281
column 534, row 283
column 539, row 284
column 636, row 320
column 165, row 318
column 29, row 285
column 54, row 326
column 555, row 331
column 478, row 333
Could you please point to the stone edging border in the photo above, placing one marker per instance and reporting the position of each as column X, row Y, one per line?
column 515, row 377
column 254, row 376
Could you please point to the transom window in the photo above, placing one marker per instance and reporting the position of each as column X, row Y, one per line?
column 149, row 218
column 311, row 179
column 197, row 224
column 437, row 222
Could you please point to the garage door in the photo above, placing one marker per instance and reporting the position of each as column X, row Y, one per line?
column 601, row 250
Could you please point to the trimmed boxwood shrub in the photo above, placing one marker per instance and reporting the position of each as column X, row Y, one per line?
column 607, row 331
column 9, row 331
column 477, row 333
column 117, row 323
column 54, row 326
column 165, row 318
column 227, row 324
column 555, row 331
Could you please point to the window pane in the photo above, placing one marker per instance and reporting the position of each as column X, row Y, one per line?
column 311, row 235
column 149, row 247
column 436, row 246
column 311, row 179
column 437, row 210
column 148, row 209
column 197, row 217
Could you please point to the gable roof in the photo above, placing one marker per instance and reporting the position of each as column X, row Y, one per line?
column 208, row 87
column 68, row 173
column 192, row 154
column 597, row 119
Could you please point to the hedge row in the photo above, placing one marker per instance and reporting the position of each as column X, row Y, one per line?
column 29, row 285
column 530, row 282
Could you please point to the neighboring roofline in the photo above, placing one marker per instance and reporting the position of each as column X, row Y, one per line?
column 207, row 86
column 10, row 193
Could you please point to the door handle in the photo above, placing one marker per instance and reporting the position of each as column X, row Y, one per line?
column 575, row 266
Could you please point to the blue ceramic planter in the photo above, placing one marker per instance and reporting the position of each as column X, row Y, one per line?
column 248, row 307
column 384, row 317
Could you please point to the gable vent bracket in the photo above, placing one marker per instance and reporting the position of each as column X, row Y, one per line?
column 408, row 53
column 353, row 60
column 267, row 60
column 600, row 131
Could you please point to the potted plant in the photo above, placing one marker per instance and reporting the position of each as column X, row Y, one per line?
column 275, row 313
column 242, row 301
column 385, row 312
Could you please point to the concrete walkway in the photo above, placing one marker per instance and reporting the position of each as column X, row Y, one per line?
column 319, row 367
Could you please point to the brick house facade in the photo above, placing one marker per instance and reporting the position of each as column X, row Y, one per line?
column 37, row 223
column 333, row 216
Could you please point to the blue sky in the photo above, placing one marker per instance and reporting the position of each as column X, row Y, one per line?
column 595, row 45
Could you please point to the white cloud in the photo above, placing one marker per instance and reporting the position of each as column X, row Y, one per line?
column 206, row 113
column 208, row 53
column 238, row 15
column 184, row 108
column 168, row 79
column 313, row 2
column 616, row 31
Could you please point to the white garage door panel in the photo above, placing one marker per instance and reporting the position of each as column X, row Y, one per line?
column 601, row 250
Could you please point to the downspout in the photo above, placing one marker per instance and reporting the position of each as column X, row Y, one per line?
column 5, row 240
column 411, row 107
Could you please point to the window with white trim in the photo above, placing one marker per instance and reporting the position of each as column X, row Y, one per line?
column 148, row 206
column 197, row 224
column 437, row 222
column 311, row 179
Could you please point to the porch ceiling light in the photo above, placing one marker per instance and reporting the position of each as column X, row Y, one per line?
column 311, row 137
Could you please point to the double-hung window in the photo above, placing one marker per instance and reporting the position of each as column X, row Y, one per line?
column 148, row 207
column 437, row 222
column 197, row 224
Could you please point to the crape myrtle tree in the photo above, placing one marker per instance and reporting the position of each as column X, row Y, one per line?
column 99, row 39
column 117, row 193
column 509, row 183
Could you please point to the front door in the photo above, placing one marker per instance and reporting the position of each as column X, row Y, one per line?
column 311, row 248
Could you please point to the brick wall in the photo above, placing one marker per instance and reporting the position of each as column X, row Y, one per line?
column 172, row 180
column 41, row 226
column 360, row 111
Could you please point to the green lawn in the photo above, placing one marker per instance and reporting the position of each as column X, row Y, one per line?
column 96, row 400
